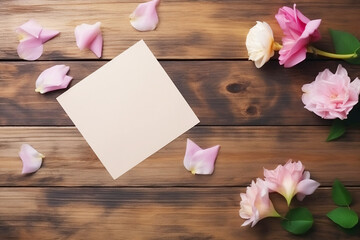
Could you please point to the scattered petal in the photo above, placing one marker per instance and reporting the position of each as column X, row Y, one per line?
column 53, row 78
column 31, row 159
column 30, row 49
column 89, row 37
column 32, row 36
column 200, row 161
column 144, row 17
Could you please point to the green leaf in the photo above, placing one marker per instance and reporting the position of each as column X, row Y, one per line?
column 340, row 194
column 337, row 129
column 298, row 221
column 343, row 216
column 346, row 43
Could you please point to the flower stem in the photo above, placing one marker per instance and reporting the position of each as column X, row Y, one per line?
column 276, row 46
column 316, row 51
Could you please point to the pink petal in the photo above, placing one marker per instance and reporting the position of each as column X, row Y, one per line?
column 144, row 17
column 200, row 161
column 30, row 49
column 306, row 187
column 191, row 149
column 31, row 159
column 32, row 36
column 47, row 34
column 31, row 28
column 89, row 36
column 96, row 45
column 53, row 78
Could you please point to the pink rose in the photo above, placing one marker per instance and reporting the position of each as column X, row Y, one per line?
column 299, row 31
column 290, row 180
column 256, row 204
column 331, row 95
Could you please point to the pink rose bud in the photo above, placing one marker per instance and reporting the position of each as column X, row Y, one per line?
column 290, row 180
column 299, row 31
column 256, row 204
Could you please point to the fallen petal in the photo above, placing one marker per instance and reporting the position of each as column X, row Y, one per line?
column 30, row 29
column 32, row 36
column 47, row 34
column 200, row 161
column 191, row 149
column 31, row 159
column 53, row 78
column 89, row 37
column 144, row 17
column 30, row 49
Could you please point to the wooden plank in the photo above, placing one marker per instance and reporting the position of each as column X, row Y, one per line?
column 244, row 152
column 220, row 93
column 143, row 213
column 187, row 30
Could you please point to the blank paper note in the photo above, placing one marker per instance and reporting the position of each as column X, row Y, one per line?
column 128, row 109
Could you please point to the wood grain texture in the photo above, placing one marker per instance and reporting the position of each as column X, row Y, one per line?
column 220, row 93
column 143, row 213
column 244, row 152
column 187, row 30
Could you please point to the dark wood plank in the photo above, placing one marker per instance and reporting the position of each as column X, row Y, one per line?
column 187, row 30
column 220, row 93
column 244, row 152
column 142, row 213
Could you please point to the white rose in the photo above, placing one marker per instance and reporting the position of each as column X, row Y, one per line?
column 259, row 43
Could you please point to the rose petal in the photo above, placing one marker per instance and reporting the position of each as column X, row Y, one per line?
column 53, row 78
column 200, row 161
column 30, row 28
column 30, row 49
column 144, row 17
column 32, row 36
column 96, row 46
column 47, row 34
column 191, row 149
column 89, row 36
column 31, row 159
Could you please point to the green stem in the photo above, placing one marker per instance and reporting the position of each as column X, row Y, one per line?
column 276, row 46
column 316, row 51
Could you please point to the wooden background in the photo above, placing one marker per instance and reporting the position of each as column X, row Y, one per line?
column 256, row 115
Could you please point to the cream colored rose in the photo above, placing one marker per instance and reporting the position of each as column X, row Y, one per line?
column 259, row 43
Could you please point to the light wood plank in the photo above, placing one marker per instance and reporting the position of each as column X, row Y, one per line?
column 143, row 213
column 187, row 30
column 244, row 152
column 220, row 93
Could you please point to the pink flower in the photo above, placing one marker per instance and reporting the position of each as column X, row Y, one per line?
column 89, row 36
column 331, row 95
column 200, row 161
column 53, row 78
column 256, row 204
column 290, row 180
column 32, row 36
column 31, row 159
column 144, row 17
column 299, row 31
